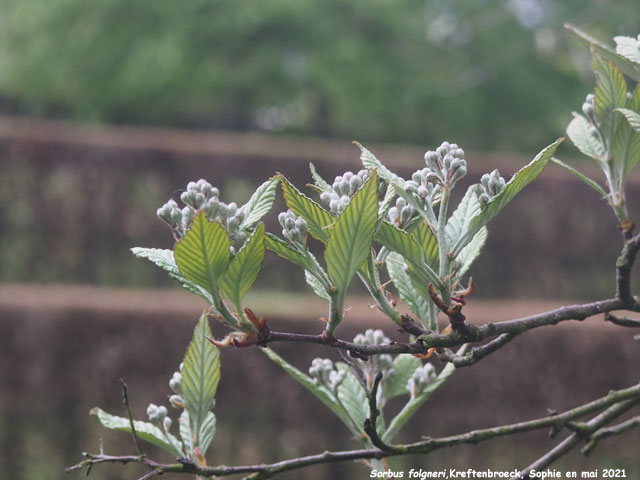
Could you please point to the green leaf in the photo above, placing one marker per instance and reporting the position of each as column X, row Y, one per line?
column 417, row 301
column 185, row 433
column 164, row 259
column 350, row 239
column 200, row 376
column 244, row 268
column 588, row 181
column 470, row 252
column 627, row 67
column 144, row 430
column 389, row 195
column 628, row 48
column 318, row 180
column 354, row 400
column 427, row 240
column 611, row 93
column 207, row 432
column 370, row 162
column 403, row 367
column 458, row 223
column 521, row 179
column 413, row 404
column 260, row 202
column 579, row 132
column 403, row 243
column 287, row 251
column 202, row 255
column 317, row 218
column 632, row 117
column 322, row 393
column 316, row 285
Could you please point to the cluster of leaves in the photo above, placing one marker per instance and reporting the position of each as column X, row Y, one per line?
column 608, row 130
column 194, row 388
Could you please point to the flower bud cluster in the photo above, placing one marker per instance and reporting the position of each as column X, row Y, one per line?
column 491, row 184
column 401, row 213
column 323, row 373
column 445, row 166
column 294, row 228
column 156, row 413
column 198, row 196
column 589, row 108
column 343, row 188
column 375, row 363
column 420, row 379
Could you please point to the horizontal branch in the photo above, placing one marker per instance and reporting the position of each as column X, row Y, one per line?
column 615, row 403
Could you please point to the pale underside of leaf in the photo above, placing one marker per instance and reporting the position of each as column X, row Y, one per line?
column 579, row 132
column 416, row 300
column 628, row 48
column 370, row 162
column 470, row 252
column 318, row 180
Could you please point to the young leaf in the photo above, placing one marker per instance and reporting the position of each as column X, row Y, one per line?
column 627, row 67
column 588, row 181
column 164, row 259
column 260, row 202
column 318, row 180
column 354, row 399
column 389, row 195
column 207, row 432
column 427, row 240
column 625, row 146
column 317, row 218
column 458, row 223
column 628, row 48
column 350, row 239
column 285, row 250
column 370, row 162
column 316, row 286
column 413, row 404
column 244, row 268
column 632, row 117
column 611, row 93
column 417, row 301
column 579, row 132
column 144, row 430
column 322, row 393
column 403, row 367
column 521, row 179
column 202, row 255
column 403, row 243
column 200, row 376
column 470, row 252
column 185, row 433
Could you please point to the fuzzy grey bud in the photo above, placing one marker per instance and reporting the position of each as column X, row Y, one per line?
column 176, row 401
column 176, row 382
column 166, row 424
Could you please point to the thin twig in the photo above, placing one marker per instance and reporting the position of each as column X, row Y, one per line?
column 127, row 406
column 477, row 353
column 610, row 431
column 621, row 321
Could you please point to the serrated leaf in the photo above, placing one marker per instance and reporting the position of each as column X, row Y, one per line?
column 403, row 243
column 260, row 202
column 628, row 48
column 470, row 252
column 285, row 250
column 396, row 385
column 318, row 180
column 579, row 132
column 427, row 214
column 625, row 146
column 354, row 399
column 521, row 179
column 316, row 286
column 164, row 259
column 417, row 301
column 317, row 218
column 428, row 242
column 321, row 393
column 200, row 376
column 389, row 195
column 244, row 267
column 610, row 92
column 207, row 432
column 370, row 162
column 413, row 404
column 185, row 433
column 627, row 67
column 588, row 181
column 202, row 255
column 351, row 237
column 632, row 117
column 144, row 430
column 458, row 223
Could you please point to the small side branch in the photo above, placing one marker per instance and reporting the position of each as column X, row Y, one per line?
column 609, row 432
column 621, row 321
column 477, row 353
column 371, row 422
column 127, row 406
column 624, row 263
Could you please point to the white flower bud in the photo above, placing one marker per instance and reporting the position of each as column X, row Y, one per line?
column 166, row 424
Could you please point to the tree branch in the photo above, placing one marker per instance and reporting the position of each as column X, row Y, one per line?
column 615, row 403
column 624, row 263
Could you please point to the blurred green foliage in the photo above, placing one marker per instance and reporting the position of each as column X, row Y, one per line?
column 494, row 74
